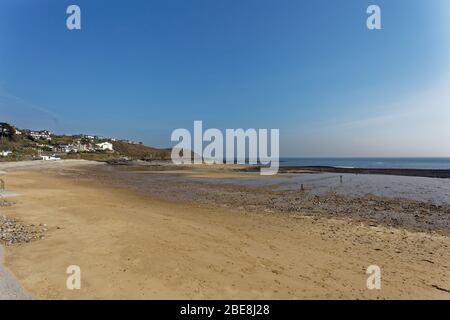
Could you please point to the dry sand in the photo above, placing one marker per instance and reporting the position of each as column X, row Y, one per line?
column 134, row 246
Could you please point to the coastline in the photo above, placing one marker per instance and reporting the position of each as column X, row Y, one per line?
column 137, row 243
column 429, row 173
column 230, row 187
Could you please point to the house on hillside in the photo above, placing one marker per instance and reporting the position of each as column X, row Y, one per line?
column 129, row 141
column 83, row 147
column 6, row 130
column 43, row 134
column 63, row 148
column 5, row 153
column 49, row 158
column 104, row 146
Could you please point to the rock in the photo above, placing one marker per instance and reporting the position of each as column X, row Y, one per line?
column 13, row 231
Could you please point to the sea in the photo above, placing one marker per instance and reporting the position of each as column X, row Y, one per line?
column 435, row 190
column 370, row 163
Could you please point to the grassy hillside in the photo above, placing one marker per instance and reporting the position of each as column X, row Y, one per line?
column 22, row 147
column 25, row 148
column 138, row 151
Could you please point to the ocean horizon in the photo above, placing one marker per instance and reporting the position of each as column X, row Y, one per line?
column 370, row 163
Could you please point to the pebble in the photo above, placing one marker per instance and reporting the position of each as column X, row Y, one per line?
column 13, row 231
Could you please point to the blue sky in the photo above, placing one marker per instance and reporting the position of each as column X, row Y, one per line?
column 140, row 69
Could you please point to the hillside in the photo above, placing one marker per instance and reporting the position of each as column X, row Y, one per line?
column 140, row 151
column 24, row 146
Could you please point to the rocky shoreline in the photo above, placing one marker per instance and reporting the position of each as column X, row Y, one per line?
column 370, row 209
column 428, row 173
column 13, row 231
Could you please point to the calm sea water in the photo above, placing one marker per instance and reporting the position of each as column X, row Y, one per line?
column 391, row 163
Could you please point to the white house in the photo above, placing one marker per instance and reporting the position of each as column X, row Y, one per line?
column 50, row 158
column 44, row 134
column 63, row 148
column 79, row 147
column 104, row 146
column 5, row 153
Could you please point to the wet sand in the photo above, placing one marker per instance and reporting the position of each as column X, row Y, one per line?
column 132, row 242
column 251, row 192
column 423, row 189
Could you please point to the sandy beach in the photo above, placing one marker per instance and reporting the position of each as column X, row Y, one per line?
column 133, row 242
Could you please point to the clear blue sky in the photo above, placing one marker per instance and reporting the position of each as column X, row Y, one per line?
column 139, row 69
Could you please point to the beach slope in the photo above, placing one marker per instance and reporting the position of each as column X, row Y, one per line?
column 134, row 246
